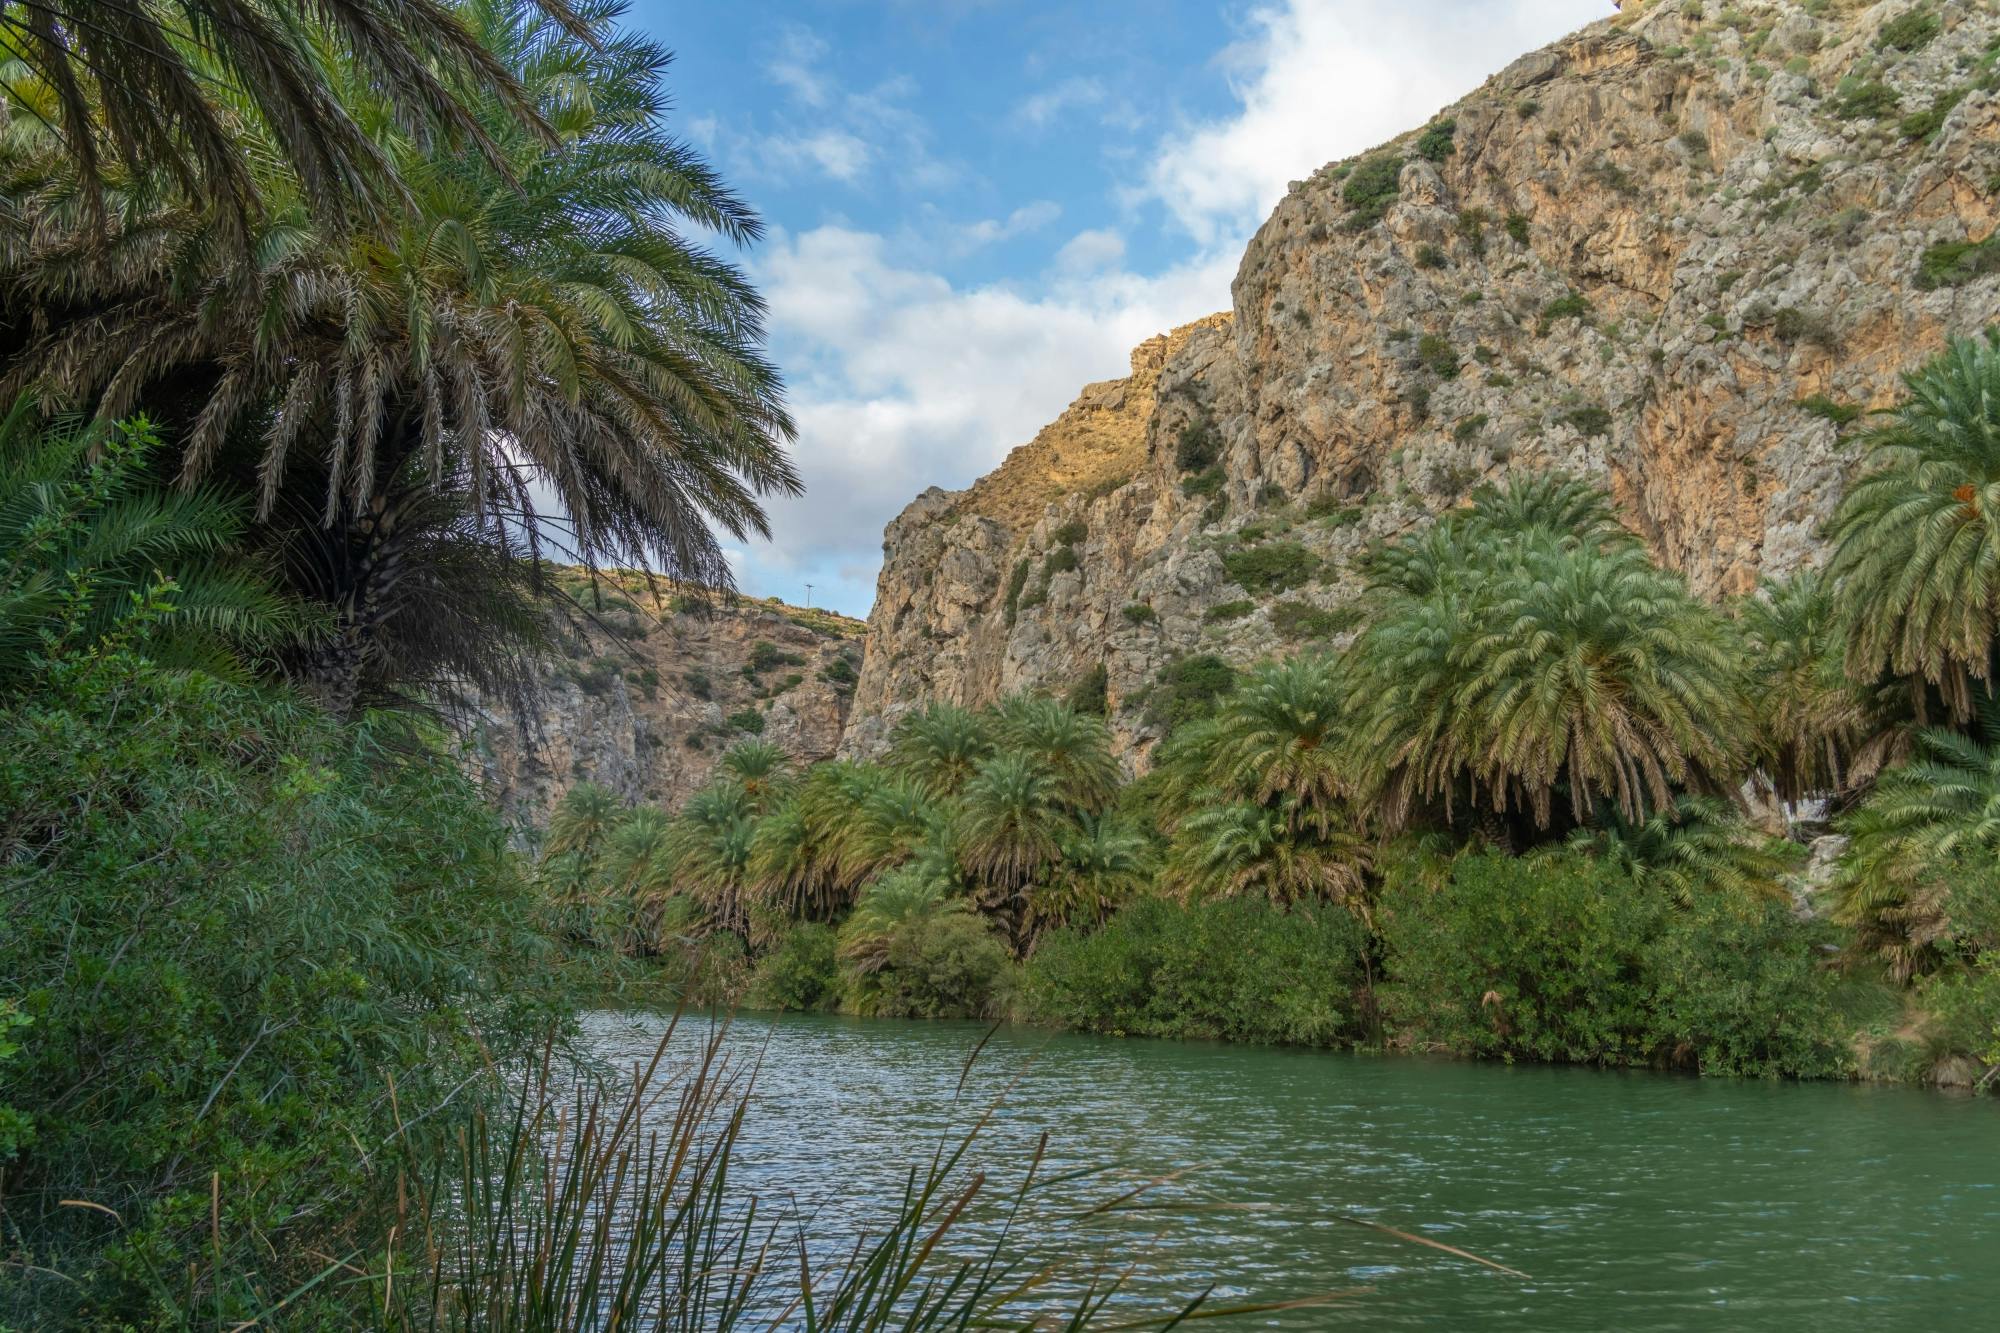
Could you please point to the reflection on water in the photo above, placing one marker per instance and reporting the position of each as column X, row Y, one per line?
column 1632, row 1200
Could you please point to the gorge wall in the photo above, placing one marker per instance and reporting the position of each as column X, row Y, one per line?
column 1679, row 251
column 647, row 691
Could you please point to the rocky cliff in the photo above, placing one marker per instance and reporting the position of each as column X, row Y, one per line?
column 1681, row 251
column 649, row 689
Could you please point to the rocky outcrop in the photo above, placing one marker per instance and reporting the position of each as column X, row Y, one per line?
column 650, row 689
column 1680, row 251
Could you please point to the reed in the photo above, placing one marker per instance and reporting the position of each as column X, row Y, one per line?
column 598, row 1203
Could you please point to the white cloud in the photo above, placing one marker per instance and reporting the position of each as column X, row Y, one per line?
column 901, row 380
column 1088, row 251
column 1319, row 80
column 795, row 67
column 835, row 153
column 1023, row 220
column 1040, row 110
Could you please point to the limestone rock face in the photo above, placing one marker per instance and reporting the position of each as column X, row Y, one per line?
column 645, row 698
column 1675, row 251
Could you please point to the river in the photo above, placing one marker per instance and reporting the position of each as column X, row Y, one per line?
column 1629, row 1200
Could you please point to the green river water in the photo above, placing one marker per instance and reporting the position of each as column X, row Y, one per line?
column 1630, row 1200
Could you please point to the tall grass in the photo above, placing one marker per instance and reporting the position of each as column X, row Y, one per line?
column 597, row 1206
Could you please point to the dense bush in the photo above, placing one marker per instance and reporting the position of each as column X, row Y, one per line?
column 1953, row 263
column 1370, row 188
column 1239, row 969
column 227, row 919
column 1561, row 956
column 1187, row 689
column 944, row 966
column 1198, row 446
column 1272, row 567
column 800, row 971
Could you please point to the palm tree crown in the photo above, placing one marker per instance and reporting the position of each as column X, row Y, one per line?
column 1916, row 540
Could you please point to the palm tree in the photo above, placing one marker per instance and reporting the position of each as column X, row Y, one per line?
column 1560, row 665
column 1281, row 736
column 761, row 770
column 1012, row 824
column 1916, row 540
column 710, row 850
column 531, row 358
column 1072, row 748
column 159, row 87
column 582, row 819
column 89, row 551
column 1698, row 846
column 890, row 822
column 1105, row 863
column 890, row 905
column 1243, row 847
column 941, row 747
column 1819, row 731
column 1916, row 835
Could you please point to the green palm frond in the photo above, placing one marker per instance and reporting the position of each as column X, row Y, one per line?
column 1916, row 539
column 941, row 746
column 90, row 548
column 1700, row 845
column 1913, row 838
column 1072, row 748
column 1548, row 661
column 1819, row 731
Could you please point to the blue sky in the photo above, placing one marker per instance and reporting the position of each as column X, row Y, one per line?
column 976, row 207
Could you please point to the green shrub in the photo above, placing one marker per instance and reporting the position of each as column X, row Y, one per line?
column 1907, row 32
column 1926, row 123
column 1198, row 446
column 1467, row 428
column 1370, row 188
column 801, row 971
column 1015, row 583
column 1223, row 611
column 1591, row 421
column 1235, row 968
column 1826, row 408
column 1869, row 100
column 1091, row 693
column 1430, row 256
column 765, row 656
column 1302, row 620
column 1737, row 987
column 1435, row 143
column 1272, row 567
column 1572, row 306
column 1560, row 956
column 1517, row 227
column 1139, row 613
column 698, row 684
column 227, row 925
column 1072, row 532
column 1188, row 689
column 1515, row 957
column 1794, row 325
column 1333, row 511
column 597, row 678
column 1435, row 353
column 1062, row 560
column 1206, row 482
column 948, row 965
column 749, row 719
column 840, row 674
column 1953, row 263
